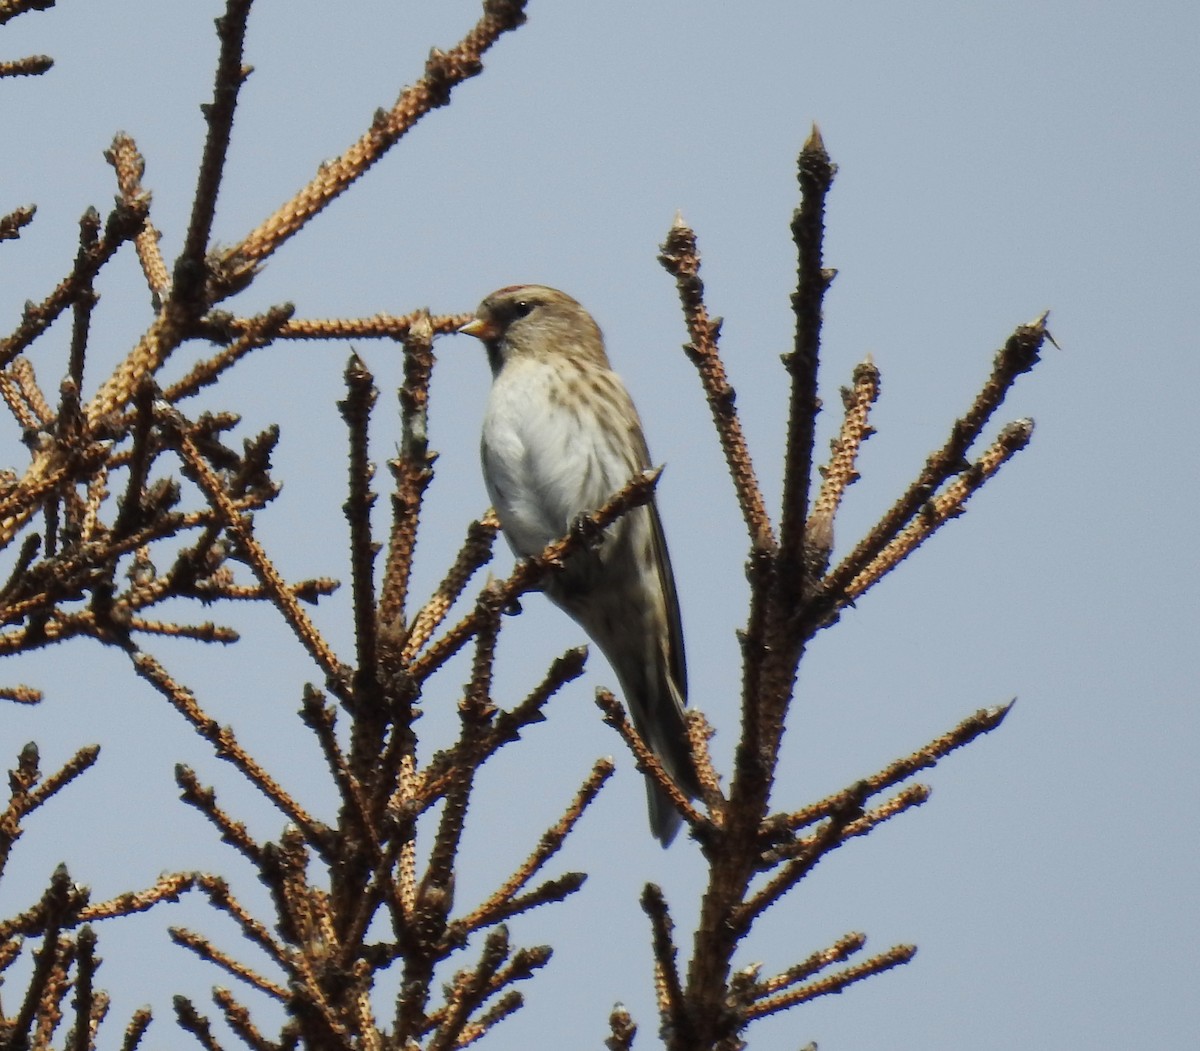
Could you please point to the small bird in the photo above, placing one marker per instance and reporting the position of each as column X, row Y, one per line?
column 560, row 437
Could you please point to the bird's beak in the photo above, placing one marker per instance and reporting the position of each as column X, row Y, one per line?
column 480, row 329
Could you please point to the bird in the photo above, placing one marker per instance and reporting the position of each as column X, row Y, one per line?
column 560, row 437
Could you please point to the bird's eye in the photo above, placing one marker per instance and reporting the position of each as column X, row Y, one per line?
column 522, row 307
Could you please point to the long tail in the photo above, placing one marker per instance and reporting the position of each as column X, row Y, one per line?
column 658, row 715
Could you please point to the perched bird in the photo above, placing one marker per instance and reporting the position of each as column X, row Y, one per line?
column 560, row 437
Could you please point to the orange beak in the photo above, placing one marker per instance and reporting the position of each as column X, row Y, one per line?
column 480, row 329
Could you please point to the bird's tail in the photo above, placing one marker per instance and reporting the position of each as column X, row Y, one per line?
column 660, row 718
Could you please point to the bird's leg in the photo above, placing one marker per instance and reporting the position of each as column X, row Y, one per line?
column 588, row 531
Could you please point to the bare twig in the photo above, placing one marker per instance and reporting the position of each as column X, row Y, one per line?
column 681, row 258
column 443, row 72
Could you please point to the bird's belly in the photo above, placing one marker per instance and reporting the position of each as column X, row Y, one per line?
column 542, row 464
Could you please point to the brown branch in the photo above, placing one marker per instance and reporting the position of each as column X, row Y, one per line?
column 207, row 951
column 192, row 1021
column 475, row 712
column 815, row 172
column 321, row 719
column 280, row 593
column 529, row 572
column 225, row 744
column 504, row 903
column 136, row 1029
column 74, row 767
column 260, row 331
column 204, row 799
column 9, row 9
column 168, row 888
column 508, row 724
column 237, row 1017
column 217, row 891
column 130, row 166
column 443, row 72
column 356, row 411
column 983, row 721
column 669, row 989
column 507, row 1005
column 700, row 732
column 412, row 471
column 304, row 590
column 475, row 552
column 681, row 259
column 840, row 472
column 188, row 290
column 472, row 988
column 836, row 983
column 942, row 508
column 810, row 851
column 842, row 949
column 12, row 223
column 622, row 1030
column 436, row 779
column 30, row 66
column 25, row 378
column 1018, row 355
column 85, row 302
column 222, row 327
column 15, row 400
column 648, row 763
column 206, row 632
column 122, row 225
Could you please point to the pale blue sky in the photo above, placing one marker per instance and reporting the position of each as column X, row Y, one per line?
column 996, row 160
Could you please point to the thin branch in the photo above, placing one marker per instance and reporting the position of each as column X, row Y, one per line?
column 356, row 411
column 206, row 950
column 681, row 259
column 204, row 799
column 841, row 950
column 260, row 331
column 983, row 721
column 192, row 1021
column 136, row 1029
column 168, row 888
column 529, row 572
column 225, row 744
column 475, row 553
column 622, row 1030
column 237, row 1017
column 503, row 903
column 9, row 9
column 30, row 66
column 190, row 269
column 836, row 983
column 840, row 472
column 130, row 166
column 1018, row 355
column 671, row 1004
column 815, row 172
column 122, row 225
column 443, row 72
column 223, row 327
column 947, row 505
column 256, row 557
column 648, row 763
column 412, row 471
column 12, row 223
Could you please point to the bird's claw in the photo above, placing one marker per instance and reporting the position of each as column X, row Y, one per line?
column 585, row 528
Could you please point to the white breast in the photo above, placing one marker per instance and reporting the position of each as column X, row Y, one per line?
column 543, row 465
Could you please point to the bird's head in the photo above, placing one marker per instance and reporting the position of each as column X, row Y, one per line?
column 534, row 321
